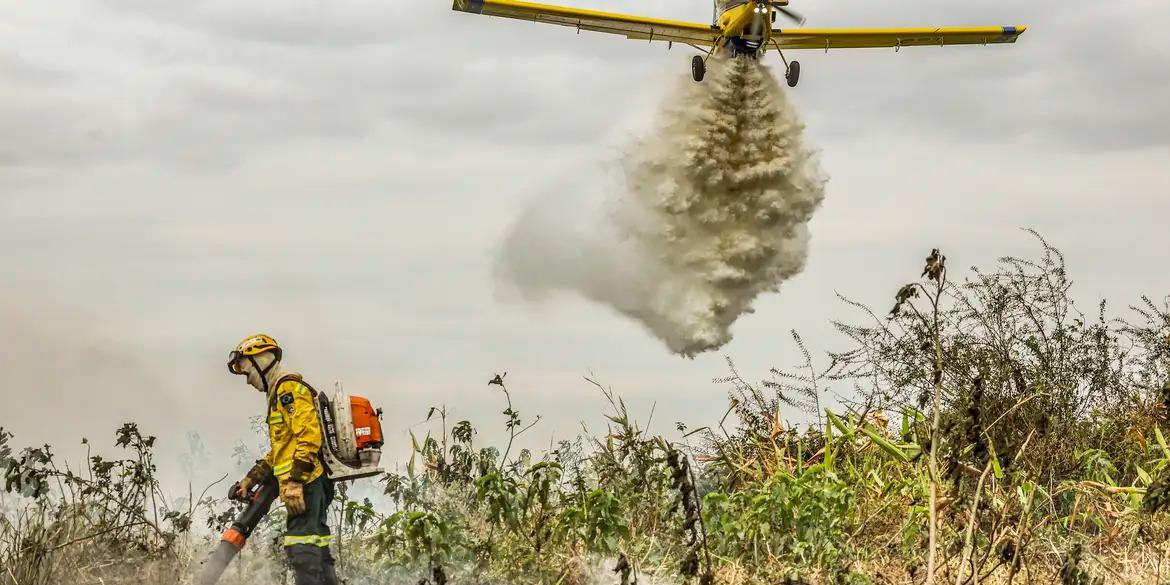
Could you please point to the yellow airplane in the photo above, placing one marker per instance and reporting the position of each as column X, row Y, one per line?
column 740, row 27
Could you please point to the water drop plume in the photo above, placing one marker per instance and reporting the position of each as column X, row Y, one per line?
column 712, row 211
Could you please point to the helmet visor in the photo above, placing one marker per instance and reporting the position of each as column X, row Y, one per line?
column 234, row 362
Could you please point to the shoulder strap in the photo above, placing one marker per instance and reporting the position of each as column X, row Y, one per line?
column 298, row 379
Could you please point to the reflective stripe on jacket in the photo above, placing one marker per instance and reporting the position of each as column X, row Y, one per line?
column 293, row 430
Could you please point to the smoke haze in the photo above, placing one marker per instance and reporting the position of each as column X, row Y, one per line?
column 712, row 211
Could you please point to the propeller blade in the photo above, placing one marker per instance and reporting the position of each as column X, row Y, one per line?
column 795, row 16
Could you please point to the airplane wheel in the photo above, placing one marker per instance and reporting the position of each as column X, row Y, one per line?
column 698, row 68
column 793, row 74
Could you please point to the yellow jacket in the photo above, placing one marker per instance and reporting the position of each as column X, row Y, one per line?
column 293, row 431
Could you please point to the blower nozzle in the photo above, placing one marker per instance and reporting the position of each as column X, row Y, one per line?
column 259, row 500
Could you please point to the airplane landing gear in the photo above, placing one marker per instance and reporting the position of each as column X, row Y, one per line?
column 791, row 69
column 698, row 67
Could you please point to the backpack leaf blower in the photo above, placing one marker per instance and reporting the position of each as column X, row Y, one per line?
column 351, row 449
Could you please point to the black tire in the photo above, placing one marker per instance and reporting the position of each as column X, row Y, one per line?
column 793, row 74
column 698, row 68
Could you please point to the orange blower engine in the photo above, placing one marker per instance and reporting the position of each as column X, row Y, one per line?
column 352, row 430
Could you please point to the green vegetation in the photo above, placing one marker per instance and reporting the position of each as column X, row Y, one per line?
column 988, row 432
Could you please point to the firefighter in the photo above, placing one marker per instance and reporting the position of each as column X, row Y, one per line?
column 294, row 433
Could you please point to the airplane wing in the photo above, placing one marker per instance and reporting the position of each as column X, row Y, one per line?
column 633, row 27
column 855, row 38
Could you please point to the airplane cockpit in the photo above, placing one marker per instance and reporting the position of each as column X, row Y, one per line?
column 752, row 35
column 722, row 7
column 754, row 29
column 725, row 6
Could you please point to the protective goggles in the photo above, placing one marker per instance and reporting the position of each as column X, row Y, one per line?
column 233, row 363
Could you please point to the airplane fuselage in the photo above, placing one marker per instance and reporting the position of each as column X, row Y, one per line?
column 747, row 26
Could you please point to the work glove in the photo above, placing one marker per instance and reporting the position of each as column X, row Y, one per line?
column 292, row 493
column 300, row 471
column 259, row 473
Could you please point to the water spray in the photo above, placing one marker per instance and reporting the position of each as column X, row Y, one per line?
column 713, row 212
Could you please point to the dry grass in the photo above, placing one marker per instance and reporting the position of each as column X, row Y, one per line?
column 992, row 429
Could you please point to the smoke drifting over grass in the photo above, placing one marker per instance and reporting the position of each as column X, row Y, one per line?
column 713, row 211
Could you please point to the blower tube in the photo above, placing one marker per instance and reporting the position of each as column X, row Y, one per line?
column 233, row 539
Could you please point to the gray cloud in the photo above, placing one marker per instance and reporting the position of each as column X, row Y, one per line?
column 1086, row 75
column 212, row 82
column 290, row 25
column 185, row 93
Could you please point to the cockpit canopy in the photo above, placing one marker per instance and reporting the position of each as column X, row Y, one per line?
column 725, row 6
column 729, row 4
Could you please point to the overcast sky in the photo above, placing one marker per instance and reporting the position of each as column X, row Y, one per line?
column 177, row 175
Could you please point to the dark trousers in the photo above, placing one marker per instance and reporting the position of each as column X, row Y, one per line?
column 307, row 539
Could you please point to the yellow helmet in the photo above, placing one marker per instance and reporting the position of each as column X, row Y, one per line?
column 252, row 346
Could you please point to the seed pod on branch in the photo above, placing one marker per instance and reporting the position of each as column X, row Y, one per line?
column 935, row 264
column 904, row 294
